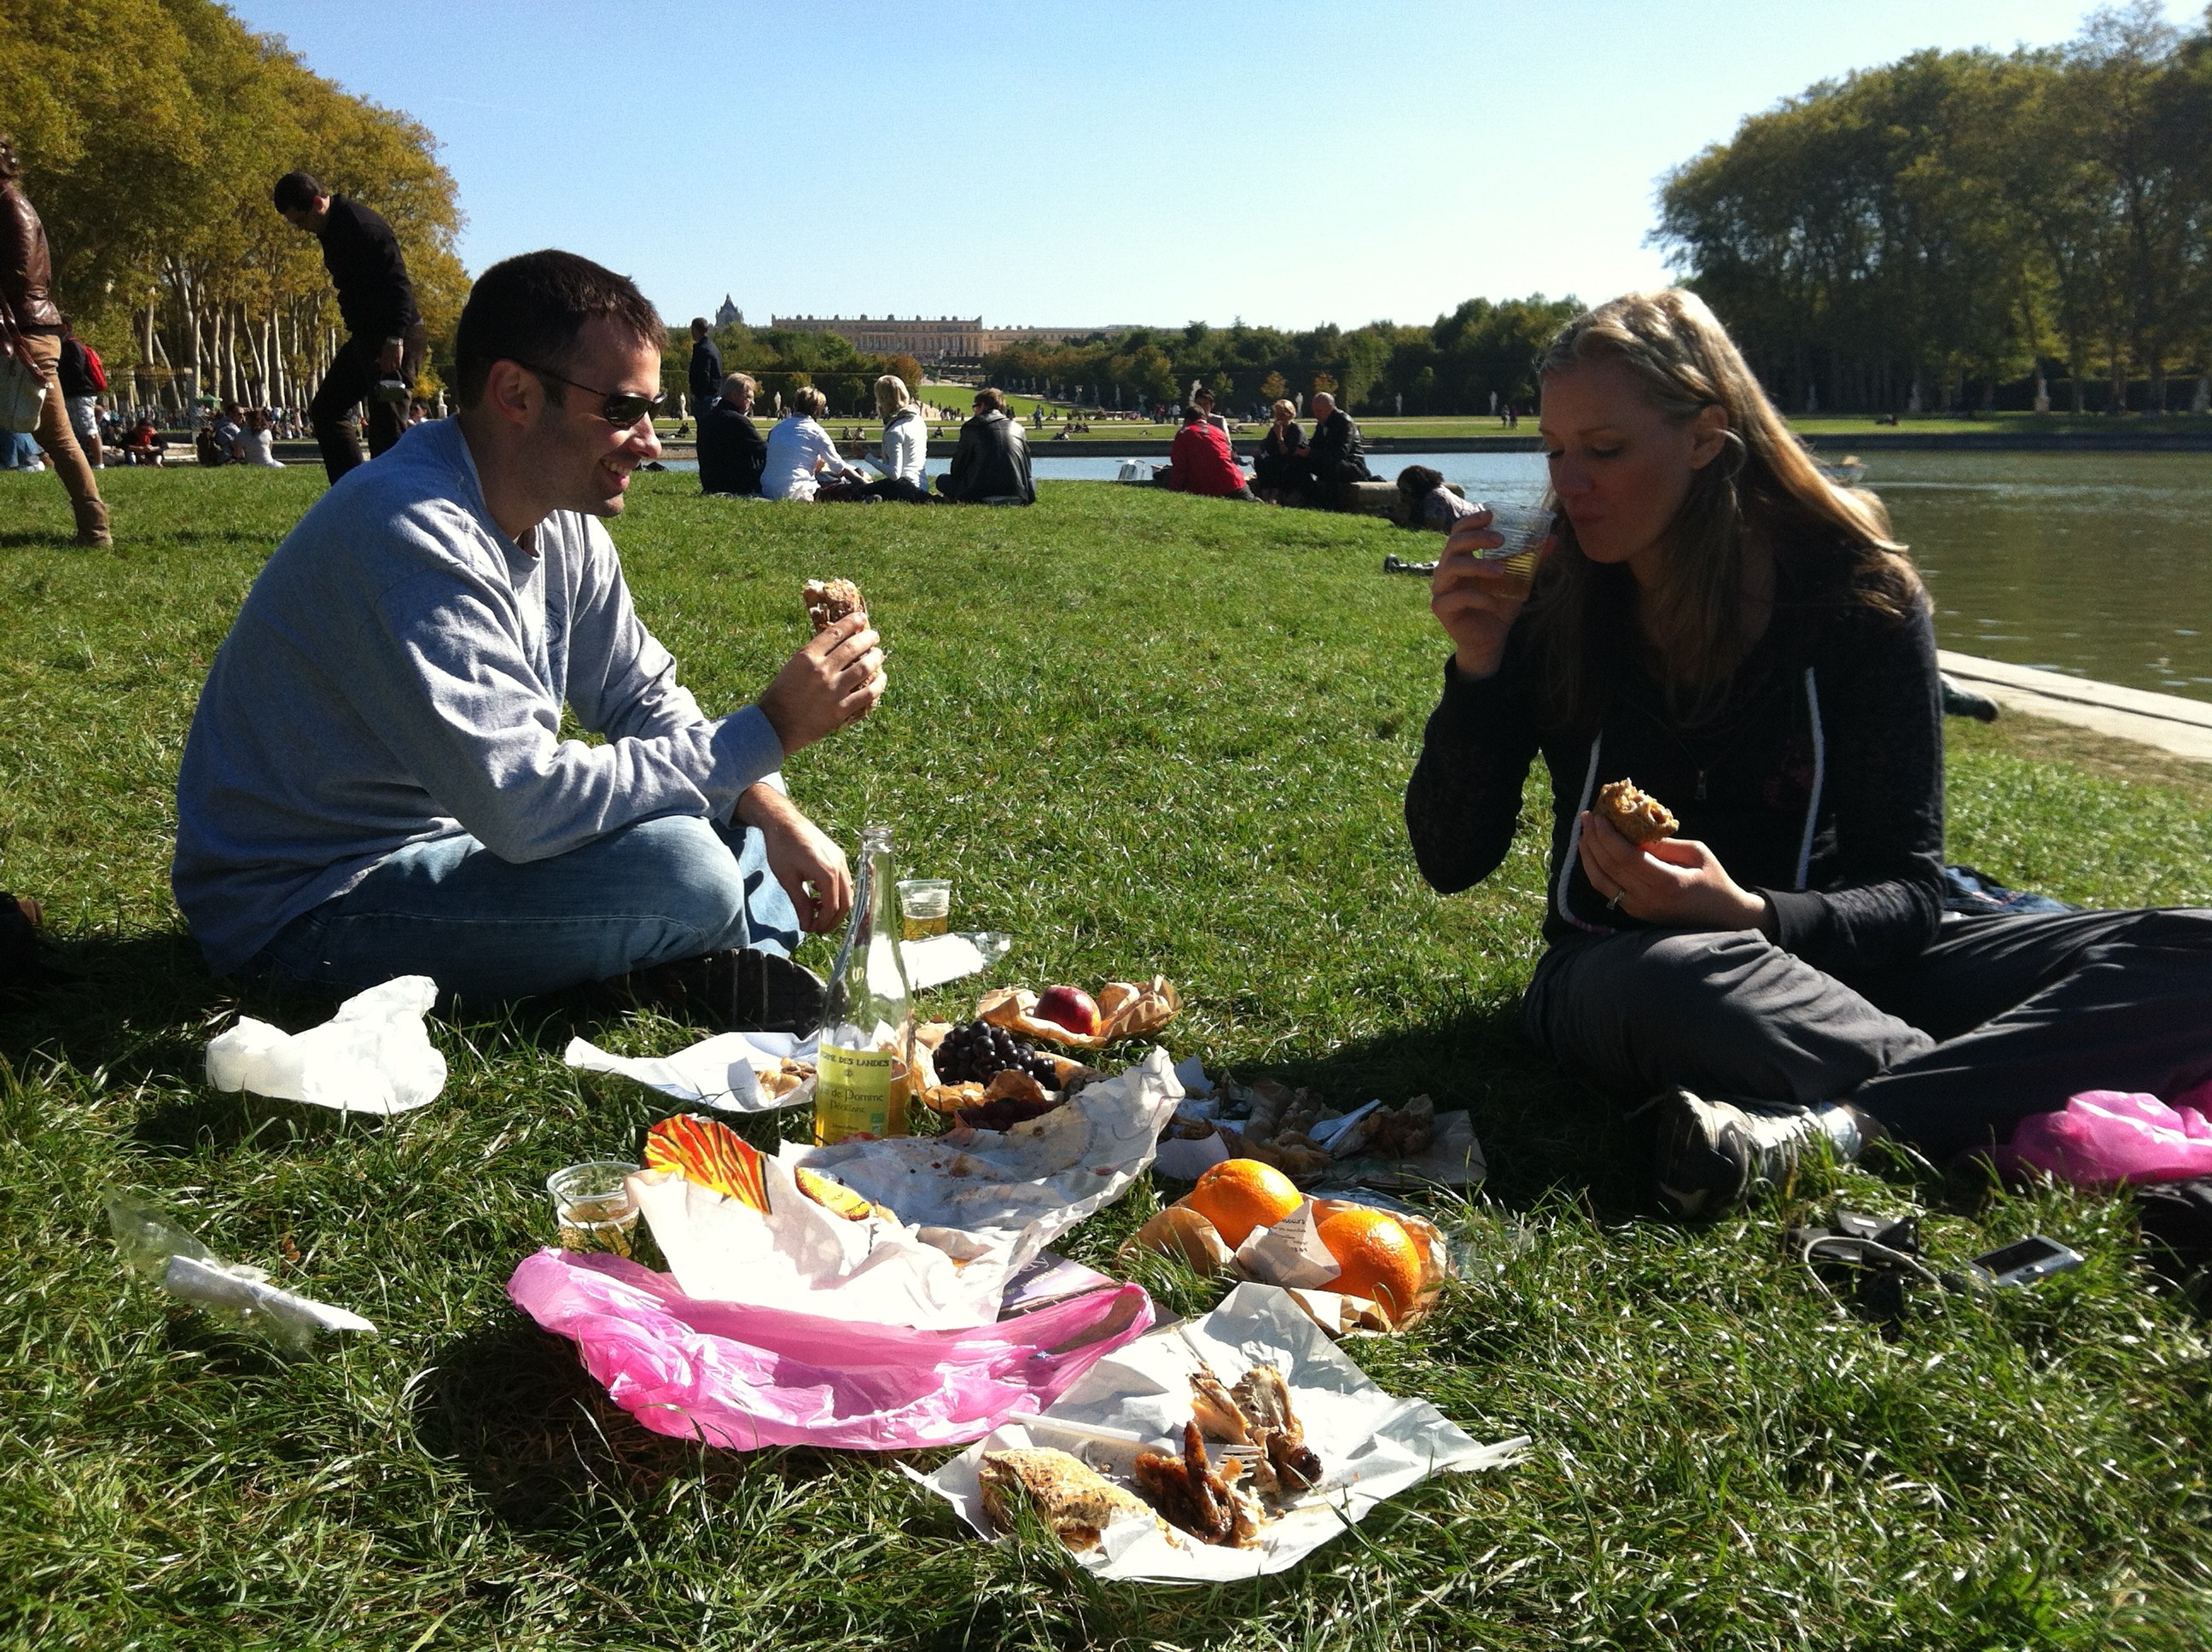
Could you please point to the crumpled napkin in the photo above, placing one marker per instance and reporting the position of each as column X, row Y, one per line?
column 374, row 1056
column 722, row 1071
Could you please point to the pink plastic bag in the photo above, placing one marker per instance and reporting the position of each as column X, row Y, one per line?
column 744, row 1377
column 2105, row 1137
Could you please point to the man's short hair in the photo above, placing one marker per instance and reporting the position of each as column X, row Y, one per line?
column 699, row 328
column 532, row 308
column 9, row 166
column 809, row 402
column 297, row 191
column 990, row 399
column 737, row 386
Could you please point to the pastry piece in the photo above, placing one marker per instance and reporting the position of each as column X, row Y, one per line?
column 1639, row 818
column 829, row 601
column 1069, row 1495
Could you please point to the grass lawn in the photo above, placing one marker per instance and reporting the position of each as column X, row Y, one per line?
column 1142, row 733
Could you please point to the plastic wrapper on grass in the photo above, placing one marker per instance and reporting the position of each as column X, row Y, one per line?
column 2106, row 1139
column 741, row 1378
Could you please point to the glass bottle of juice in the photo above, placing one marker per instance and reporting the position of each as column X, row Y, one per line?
column 861, row 1070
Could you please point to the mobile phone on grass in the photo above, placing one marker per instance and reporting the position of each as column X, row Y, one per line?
column 2024, row 1261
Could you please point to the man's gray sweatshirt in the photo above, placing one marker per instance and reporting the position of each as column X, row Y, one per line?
column 396, row 675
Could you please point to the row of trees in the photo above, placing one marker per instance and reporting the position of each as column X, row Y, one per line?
column 1458, row 364
column 151, row 132
column 1924, row 234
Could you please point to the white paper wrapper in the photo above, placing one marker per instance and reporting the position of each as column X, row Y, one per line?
column 374, row 1056
column 1029, row 1184
column 722, row 1071
column 1453, row 1160
column 1371, row 1446
column 939, row 958
column 809, row 1259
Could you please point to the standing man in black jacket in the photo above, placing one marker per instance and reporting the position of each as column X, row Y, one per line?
column 385, row 333
column 706, row 367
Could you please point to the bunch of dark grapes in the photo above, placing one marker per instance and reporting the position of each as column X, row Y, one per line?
column 977, row 1053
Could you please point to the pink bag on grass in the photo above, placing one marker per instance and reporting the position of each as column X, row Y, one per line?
column 2103, row 1138
column 741, row 1378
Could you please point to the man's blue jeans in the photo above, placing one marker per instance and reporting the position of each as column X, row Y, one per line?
column 488, row 930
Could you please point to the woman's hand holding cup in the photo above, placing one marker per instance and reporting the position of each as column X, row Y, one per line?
column 1476, row 600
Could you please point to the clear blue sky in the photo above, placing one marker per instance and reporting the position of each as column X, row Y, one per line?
column 1044, row 163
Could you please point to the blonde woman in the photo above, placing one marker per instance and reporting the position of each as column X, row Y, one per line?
column 801, row 458
column 905, row 451
column 1716, row 620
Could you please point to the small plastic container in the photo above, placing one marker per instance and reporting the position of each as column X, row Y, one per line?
column 593, row 1207
column 1525, row 528
column 925, row 907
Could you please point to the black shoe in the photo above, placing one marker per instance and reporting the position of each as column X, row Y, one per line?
column 1706, row 1157
column 745, row 990
column 1960, row 700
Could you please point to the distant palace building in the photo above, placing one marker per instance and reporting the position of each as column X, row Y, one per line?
column 940, row 339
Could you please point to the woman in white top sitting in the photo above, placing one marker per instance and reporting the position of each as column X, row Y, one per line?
column 906, row 444
column 255, row 442
column 800, row 455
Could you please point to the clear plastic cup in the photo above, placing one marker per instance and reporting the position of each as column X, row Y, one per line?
column 1525, row 528
column 594, row 1208
column 925, row 907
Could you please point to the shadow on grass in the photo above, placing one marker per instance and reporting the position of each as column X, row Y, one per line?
column 1541, row 1134
column 513, row 1407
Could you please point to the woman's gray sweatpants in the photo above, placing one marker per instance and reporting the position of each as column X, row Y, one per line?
column 1999, row 1017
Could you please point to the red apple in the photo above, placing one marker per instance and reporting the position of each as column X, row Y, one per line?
column 1071, row 1007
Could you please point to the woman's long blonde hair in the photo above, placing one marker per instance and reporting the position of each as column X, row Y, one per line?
column 891, row 395
column 1762, row 484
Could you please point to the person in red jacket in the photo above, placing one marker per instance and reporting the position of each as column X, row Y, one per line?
column 1201, row 461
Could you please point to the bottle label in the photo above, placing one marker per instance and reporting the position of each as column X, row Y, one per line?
column 853, row 1095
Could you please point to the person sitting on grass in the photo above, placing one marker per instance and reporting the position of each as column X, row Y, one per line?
column 1718, row 621
column 1201, row 460
column 1279, row 471
column 1333, row 456
column 1427, row 502
column 376, row 782
column 905, row 448
column 991, row 465
column 146, row 445
column 731, row 454
column 802, row 461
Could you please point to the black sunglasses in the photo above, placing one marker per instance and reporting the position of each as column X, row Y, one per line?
column 620, row 410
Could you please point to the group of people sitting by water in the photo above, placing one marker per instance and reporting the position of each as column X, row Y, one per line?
column 1288, row 468
column 798, row 459
column 378, row 780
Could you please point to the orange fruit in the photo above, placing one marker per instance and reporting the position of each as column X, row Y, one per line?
column 1240, row 1194
column 1376, row 1257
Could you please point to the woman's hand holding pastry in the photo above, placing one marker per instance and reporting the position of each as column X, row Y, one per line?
column 1673, row 881
column 1476, row 602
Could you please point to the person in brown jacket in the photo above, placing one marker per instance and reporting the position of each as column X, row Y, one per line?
column 31, row 325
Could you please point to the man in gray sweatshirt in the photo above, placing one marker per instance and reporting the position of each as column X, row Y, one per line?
column 375, row 783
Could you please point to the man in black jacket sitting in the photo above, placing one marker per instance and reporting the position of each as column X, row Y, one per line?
column 991, row 466
column 1334, row 452
column 732, row 453
column 385, row 333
